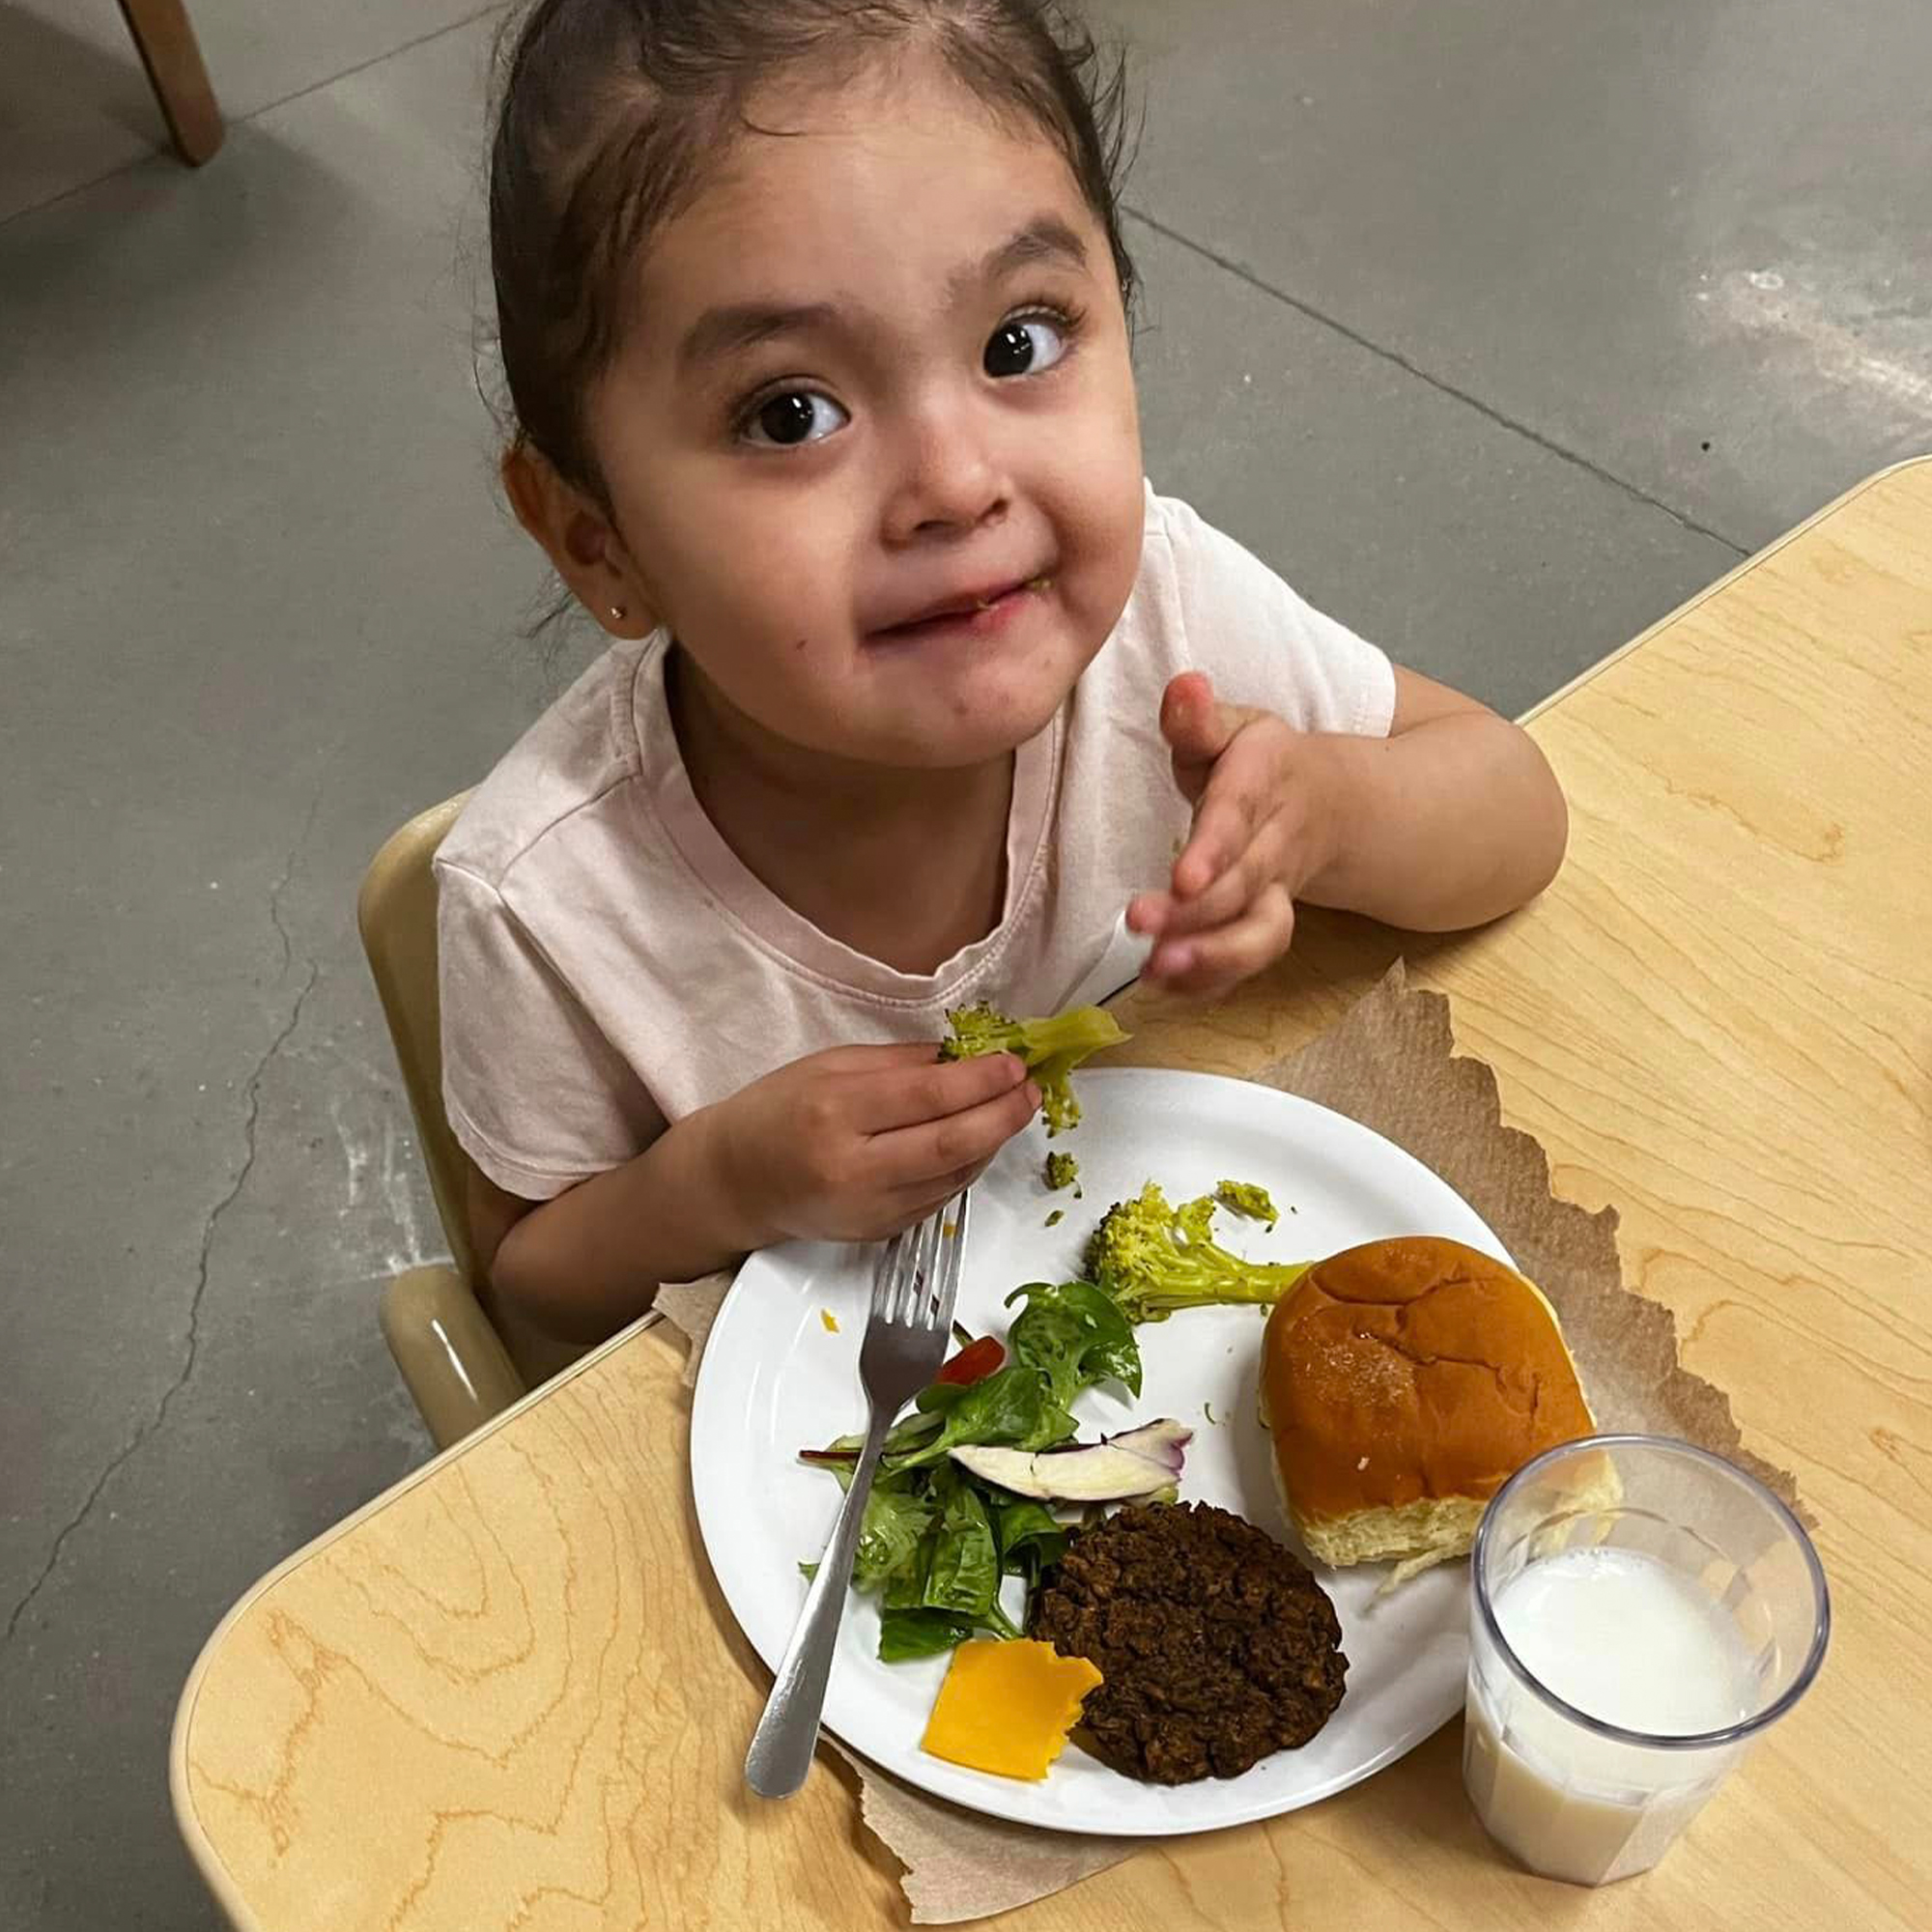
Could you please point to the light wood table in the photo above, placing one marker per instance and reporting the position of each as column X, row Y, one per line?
column 507, row 1694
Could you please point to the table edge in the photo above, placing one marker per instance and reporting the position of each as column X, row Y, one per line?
column 227, row 1895
column 1742, row 568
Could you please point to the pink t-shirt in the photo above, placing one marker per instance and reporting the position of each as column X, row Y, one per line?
column 609, row 965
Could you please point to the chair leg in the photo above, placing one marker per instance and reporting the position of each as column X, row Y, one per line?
column 168, row 51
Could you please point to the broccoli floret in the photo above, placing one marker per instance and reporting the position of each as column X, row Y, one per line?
column 1152, row 1259
column 1051, row 1048
column 1246, row 1197
column 1061, row 1169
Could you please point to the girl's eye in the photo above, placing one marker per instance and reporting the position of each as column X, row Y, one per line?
column 1025, row 346
column 798, row 415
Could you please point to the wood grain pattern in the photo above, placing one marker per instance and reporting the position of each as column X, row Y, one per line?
column 509, row 1695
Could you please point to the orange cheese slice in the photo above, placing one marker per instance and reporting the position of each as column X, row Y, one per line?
column 1007, row 1707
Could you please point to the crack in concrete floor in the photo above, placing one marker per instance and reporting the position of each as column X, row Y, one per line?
column 250, row 1147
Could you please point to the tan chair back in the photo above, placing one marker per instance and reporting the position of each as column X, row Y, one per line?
column 396, row 911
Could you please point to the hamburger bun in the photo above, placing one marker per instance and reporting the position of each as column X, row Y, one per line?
column 1404, row 1382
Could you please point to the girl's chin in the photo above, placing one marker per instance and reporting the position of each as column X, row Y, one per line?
column 941, row 737
column 980, row 712
column 927, row 714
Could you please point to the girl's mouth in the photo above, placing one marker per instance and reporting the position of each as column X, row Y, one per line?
column 975, row 616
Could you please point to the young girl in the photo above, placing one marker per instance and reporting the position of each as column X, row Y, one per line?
column 814, row 319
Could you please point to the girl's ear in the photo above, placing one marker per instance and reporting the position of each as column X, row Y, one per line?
column 581, row 541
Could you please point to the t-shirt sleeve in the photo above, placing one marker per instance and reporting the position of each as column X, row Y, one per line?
column 536, row 1094
column 1263, row 645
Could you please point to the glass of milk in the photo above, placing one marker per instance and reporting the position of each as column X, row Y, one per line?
column 1642, row 1610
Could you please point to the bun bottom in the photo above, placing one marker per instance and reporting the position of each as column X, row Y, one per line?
column 1416, row 1536
column 1432, row 1529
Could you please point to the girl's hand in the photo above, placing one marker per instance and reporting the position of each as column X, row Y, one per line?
column 855, row 1143
column 1264, row 814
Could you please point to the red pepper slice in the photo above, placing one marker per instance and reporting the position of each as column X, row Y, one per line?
column 974, row 1363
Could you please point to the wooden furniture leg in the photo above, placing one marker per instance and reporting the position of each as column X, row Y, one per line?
column 168, row 51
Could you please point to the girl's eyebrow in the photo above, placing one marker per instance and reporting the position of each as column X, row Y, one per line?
column 736, row 327
column 1044, row 239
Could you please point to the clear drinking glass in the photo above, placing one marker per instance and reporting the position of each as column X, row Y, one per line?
column 1642, row 1609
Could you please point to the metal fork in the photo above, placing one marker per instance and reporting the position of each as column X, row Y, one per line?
column 915, row 1282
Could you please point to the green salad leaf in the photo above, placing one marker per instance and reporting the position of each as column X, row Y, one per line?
column 904, row 1634
column 1012, row 1406
column 1030, row 1536
column 963, row 1574
column 891, row 1532
column 1076, row 1335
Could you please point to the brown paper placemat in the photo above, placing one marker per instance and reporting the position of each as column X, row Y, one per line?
column 1389, row 1063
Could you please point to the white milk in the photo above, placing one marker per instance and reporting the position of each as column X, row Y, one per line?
column 1631, row 1642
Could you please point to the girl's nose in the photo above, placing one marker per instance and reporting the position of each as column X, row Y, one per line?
column 949, row 478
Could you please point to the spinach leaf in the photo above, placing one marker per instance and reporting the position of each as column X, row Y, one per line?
column 895, row 1522
column 906, row 1590
column 937, row 1397
column 1010, row 1406
column 1074, row 1335
column 1029, row 1537
column 964, row 1573
column 904, row 1634
column 908, row 1433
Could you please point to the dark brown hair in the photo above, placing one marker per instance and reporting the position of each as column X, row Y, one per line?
column 610, row 109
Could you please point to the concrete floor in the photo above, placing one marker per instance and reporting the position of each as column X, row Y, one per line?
column 1500, row 328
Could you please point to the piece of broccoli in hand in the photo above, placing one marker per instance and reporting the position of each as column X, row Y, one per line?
column 1246, row 1197
column 1152, row 1259
column 1061, row 1169
column 1051, row 1048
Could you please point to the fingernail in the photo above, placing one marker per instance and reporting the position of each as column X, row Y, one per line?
column 1032, row 1093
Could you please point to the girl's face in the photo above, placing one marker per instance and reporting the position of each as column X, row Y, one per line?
column 871, row 445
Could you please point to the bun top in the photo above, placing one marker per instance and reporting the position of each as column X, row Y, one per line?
column 1412, row 1368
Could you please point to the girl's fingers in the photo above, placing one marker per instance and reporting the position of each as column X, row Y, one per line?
column 877, row 1059
column 915, row 1204
column 1161, row 915
column 1228, row 896
column 903, row 1095
column 908, row 1158
column 1242, row 795
column 1197, row 729
column 1200, row 731
column 1212, row 962
column 1149, row 912
column 909, row 1206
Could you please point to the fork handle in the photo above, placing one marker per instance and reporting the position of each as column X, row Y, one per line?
column 781, row 1747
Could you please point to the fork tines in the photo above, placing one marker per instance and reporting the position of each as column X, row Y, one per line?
column 916, row 1280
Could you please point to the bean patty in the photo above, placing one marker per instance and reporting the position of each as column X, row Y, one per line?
column 1217, row 1645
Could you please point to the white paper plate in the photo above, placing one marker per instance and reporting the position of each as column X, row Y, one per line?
column 776, row 1378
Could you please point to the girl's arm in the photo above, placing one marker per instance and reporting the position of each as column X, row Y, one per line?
column 580, row 1265
column 1451, row 820
column 848, row 1145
